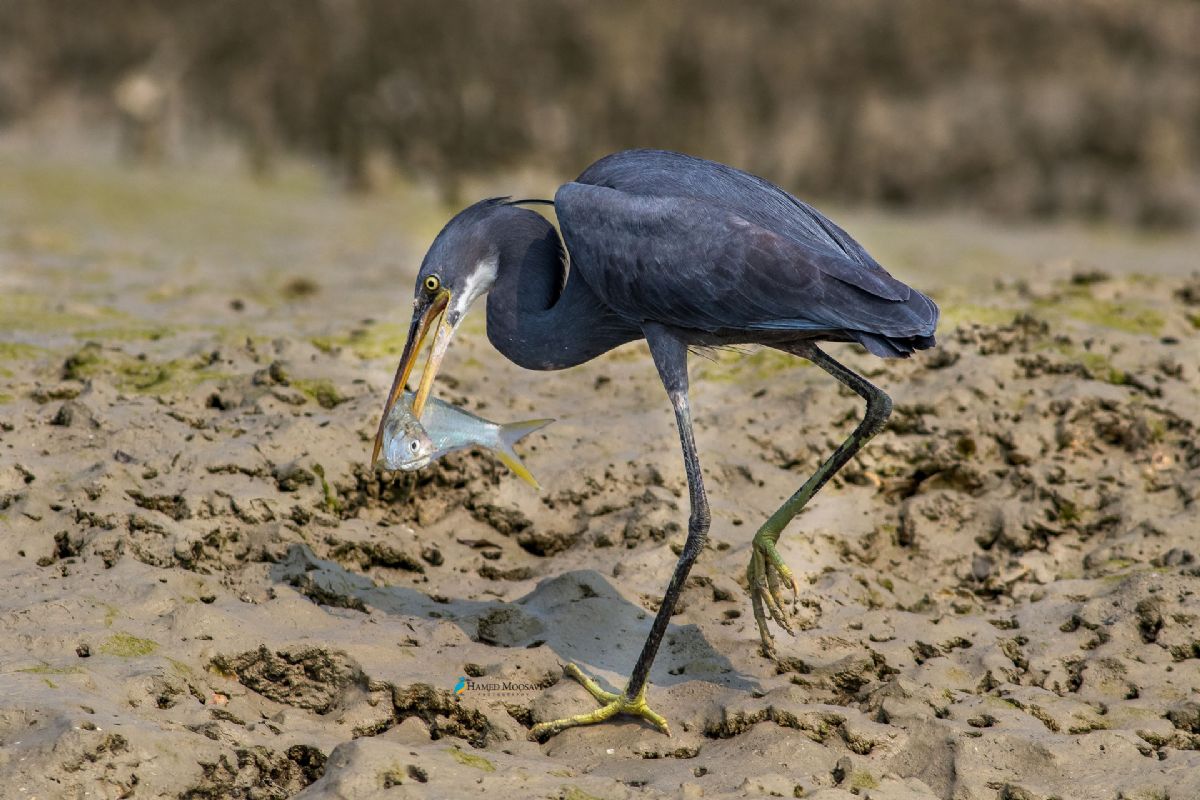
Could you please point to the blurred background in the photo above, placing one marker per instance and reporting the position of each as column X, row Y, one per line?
column 1025, row 109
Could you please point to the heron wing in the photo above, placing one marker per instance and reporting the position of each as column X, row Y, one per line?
column 690, row 263
column 662, row 173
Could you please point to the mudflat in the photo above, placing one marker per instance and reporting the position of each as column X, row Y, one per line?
column 210, row 594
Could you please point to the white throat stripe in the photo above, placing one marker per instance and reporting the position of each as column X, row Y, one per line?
column 477, row 283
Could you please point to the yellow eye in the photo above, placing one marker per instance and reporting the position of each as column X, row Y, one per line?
column 432, row 283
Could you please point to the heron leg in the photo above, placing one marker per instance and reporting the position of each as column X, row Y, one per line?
column 767, row 572
column 670, row 357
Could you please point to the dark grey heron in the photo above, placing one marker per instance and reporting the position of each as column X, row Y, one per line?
column 684, row 253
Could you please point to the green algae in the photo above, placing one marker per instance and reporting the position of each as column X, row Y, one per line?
column 732, row 366
column 384, row 340
column 575, row 793
column 331, row 499
column 30, row 312
column 180, row 667
column 1102, row 369
column 11, row 358
column 863, row 780
column 124, row 333
column 1078, row 304
column 471, row 760
column 392, row 776
column 126, row 645
column 1098, row 365
column 322, row 390
column 19, row 351
column 135, row 374
column 953, row 314
column 46, row 669
column 1075, row 302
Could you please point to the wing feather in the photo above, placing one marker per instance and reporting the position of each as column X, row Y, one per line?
column 662, row 173
column 691, row 263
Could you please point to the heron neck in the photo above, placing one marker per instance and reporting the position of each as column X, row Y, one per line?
column 534, row 318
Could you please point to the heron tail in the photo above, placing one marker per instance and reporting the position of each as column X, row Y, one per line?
column 509, row 435
column 892, row 346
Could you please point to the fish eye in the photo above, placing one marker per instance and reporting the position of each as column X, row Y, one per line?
column 415, row 446
column 432, row 283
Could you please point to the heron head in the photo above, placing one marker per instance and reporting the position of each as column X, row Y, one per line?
column 459, row 268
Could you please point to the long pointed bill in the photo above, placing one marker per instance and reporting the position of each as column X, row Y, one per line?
column 441, row 343
column 421, row 323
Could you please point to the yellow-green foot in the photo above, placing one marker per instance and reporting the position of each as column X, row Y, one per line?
column 612, row 704
column 766, row 575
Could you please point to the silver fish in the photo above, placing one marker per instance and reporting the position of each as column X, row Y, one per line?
column 410, row 444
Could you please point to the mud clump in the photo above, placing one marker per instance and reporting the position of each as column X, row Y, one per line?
column 291, row 476
column 174, row 506
column 73, row 412
column 817, row 726
column 508, row 627
column 311, row 678
column 493, row 573
column 78, row 365
column 441, row 712
column 1189, row 293
column 258, row 773
column 546, row 543
column 1186, row 717
column 505, row 521
column 1023, row 334
column 377, row 554
column 111, row 745
column 423, row 497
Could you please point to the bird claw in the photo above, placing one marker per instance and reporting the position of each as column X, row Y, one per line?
column 766, row 575
column 612, row 705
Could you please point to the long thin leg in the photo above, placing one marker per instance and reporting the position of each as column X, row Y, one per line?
column 670, row 357
column 767, row 571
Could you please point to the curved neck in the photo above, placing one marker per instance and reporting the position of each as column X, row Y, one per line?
column 534, row 318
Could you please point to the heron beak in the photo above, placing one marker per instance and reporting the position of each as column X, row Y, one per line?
column 441, row 342
column 422, row 321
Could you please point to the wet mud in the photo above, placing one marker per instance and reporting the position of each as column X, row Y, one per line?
column 211, row 595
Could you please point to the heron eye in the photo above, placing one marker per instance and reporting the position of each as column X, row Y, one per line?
column 432, row 283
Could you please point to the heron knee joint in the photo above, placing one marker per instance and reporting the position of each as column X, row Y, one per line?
column 884, row 403
column 693, row 547
column 879, row 407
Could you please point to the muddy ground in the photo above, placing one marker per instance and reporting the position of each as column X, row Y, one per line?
column 208, row 594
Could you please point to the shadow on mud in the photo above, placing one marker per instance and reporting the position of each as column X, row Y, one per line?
column 578, row 614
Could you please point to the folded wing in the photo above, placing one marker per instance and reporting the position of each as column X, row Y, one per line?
column 696, row 262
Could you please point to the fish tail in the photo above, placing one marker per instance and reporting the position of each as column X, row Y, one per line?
column 512, row 433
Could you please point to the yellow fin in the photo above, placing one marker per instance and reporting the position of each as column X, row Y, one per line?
column 514, row 463
column 512, row 433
